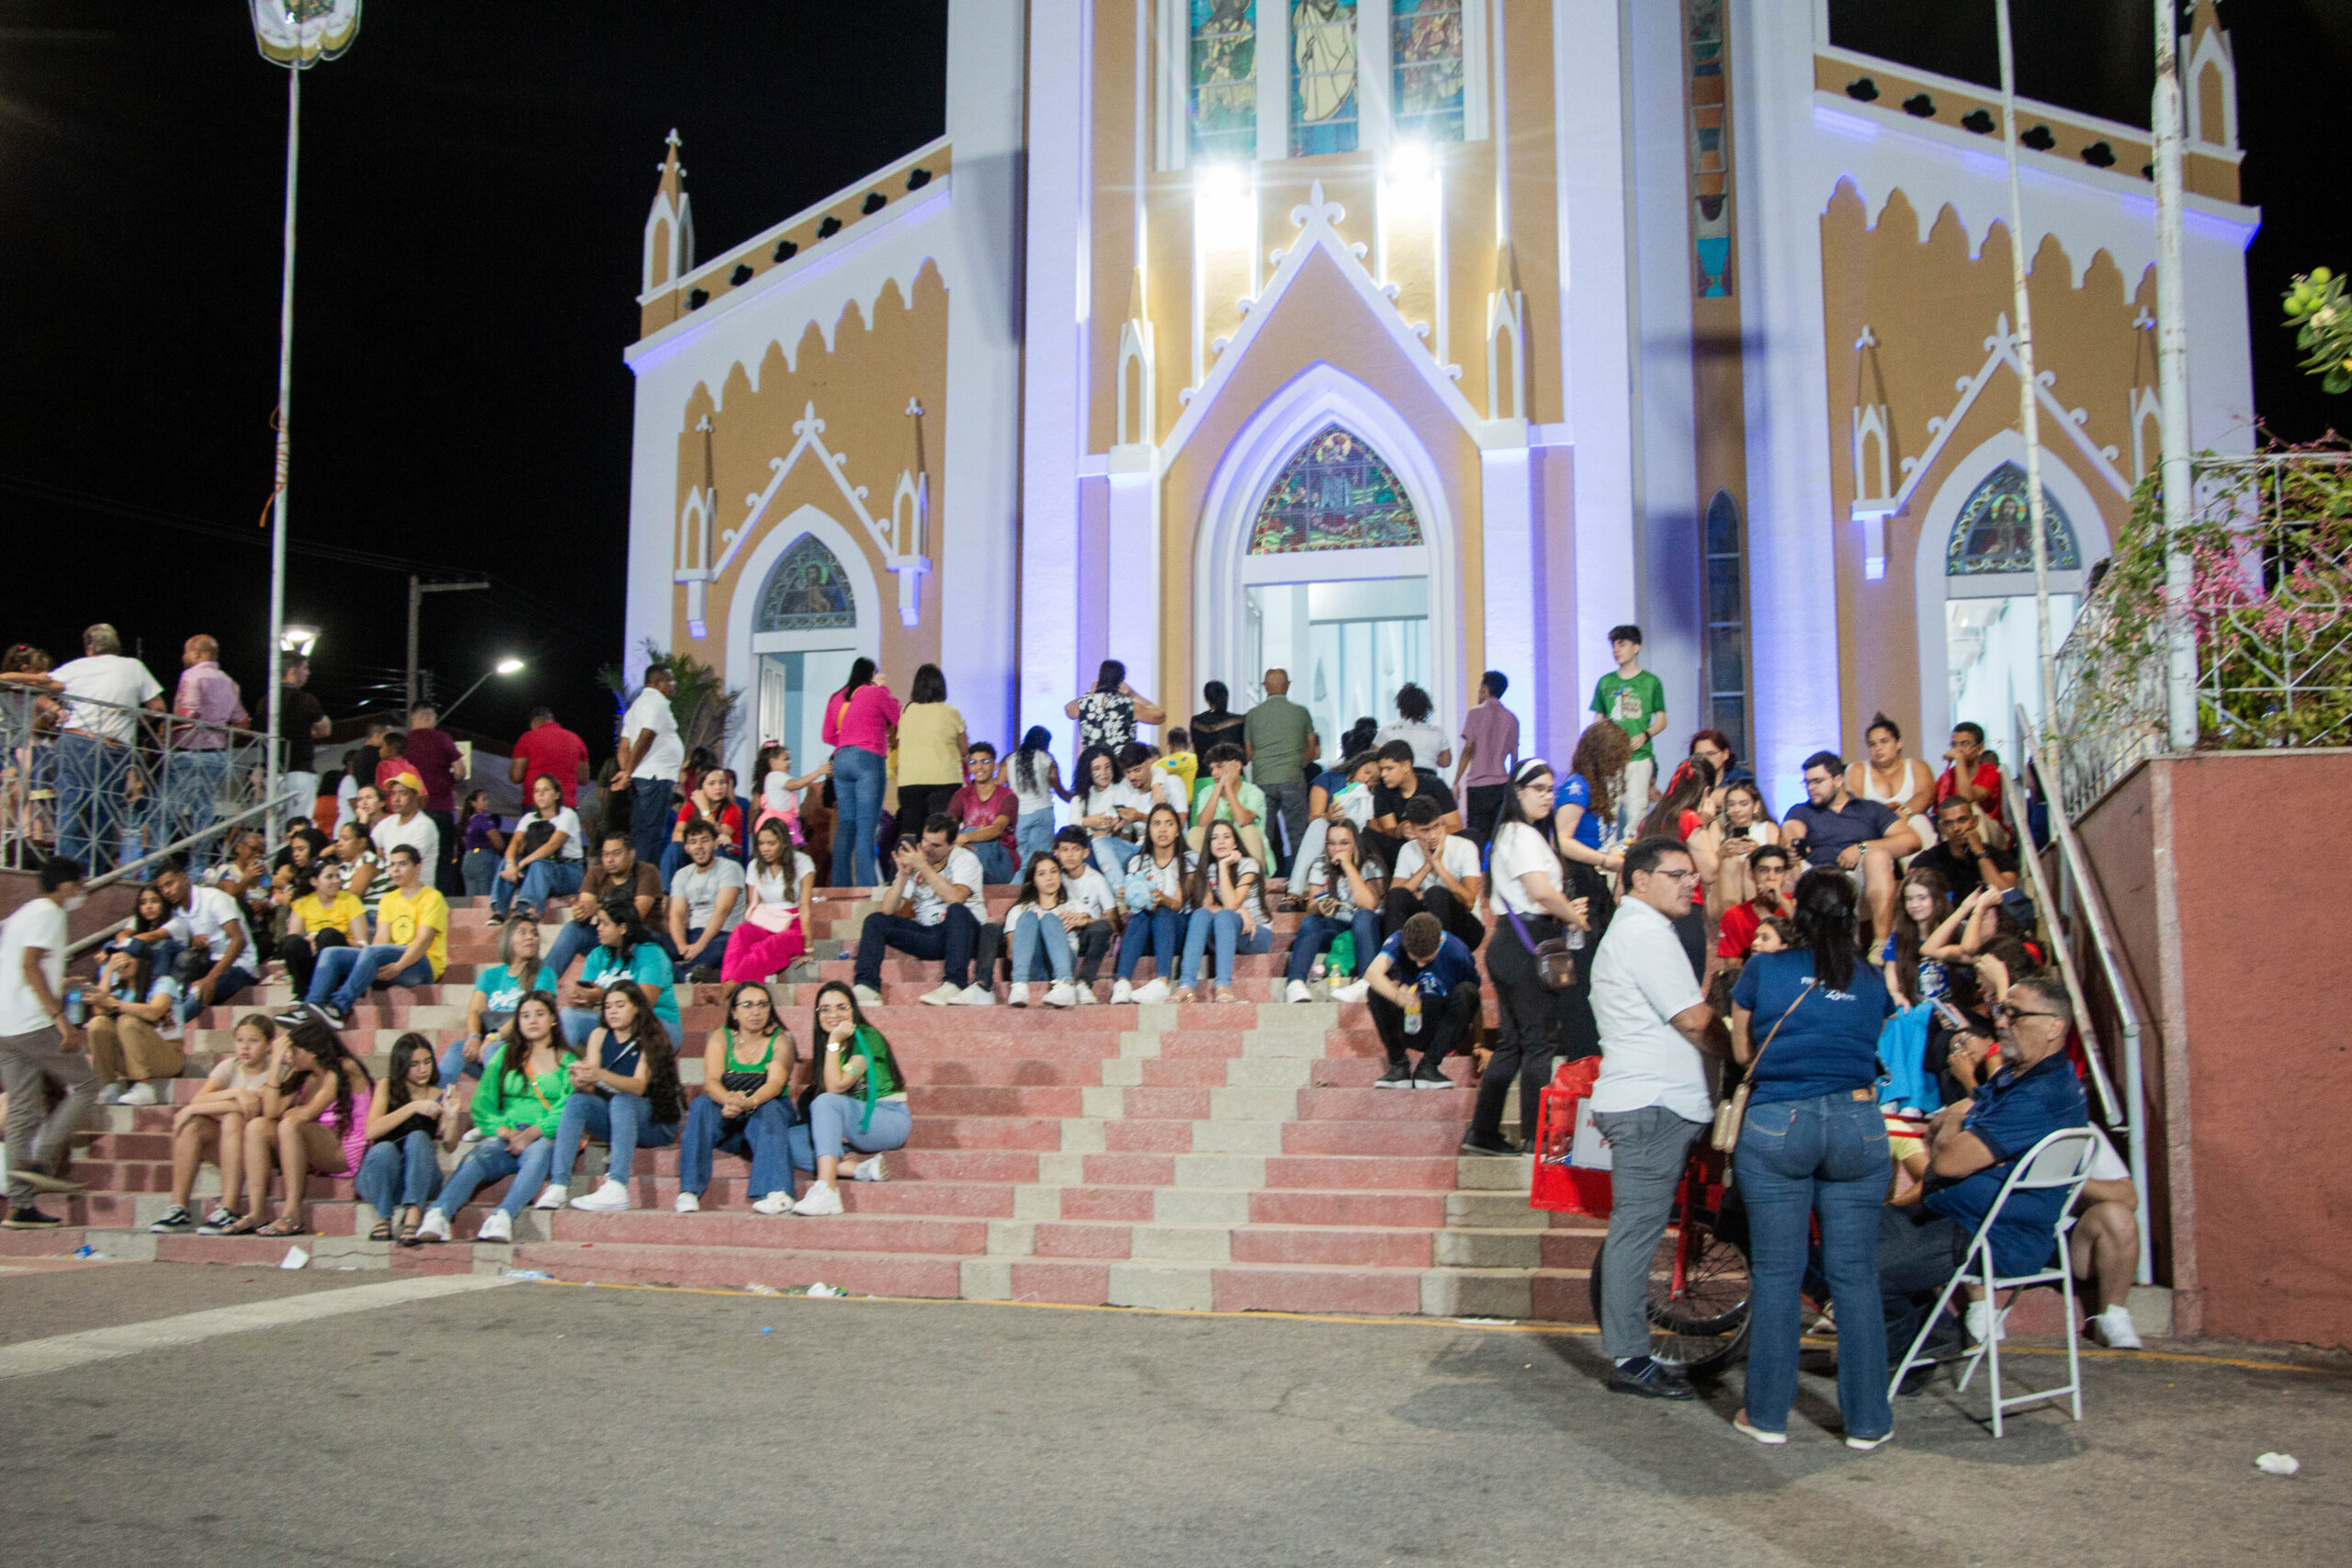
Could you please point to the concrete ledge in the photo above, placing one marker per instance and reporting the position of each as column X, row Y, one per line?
column 1168, row 1286
column 1466, row 1292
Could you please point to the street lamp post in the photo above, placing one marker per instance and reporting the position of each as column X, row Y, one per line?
column 503, row 667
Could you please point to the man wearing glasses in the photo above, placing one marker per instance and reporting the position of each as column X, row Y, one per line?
column 1971, row 1147
column 1651, row 1100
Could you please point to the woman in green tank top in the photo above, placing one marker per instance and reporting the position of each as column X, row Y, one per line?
column 745, row 1107
column 863, row 1102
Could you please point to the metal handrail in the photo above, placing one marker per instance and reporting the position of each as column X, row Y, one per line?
column 2102, row 935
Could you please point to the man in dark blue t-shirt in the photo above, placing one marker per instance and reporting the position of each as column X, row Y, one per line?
column 1971, row 1148
column 1426, row 968
column 1861, row 837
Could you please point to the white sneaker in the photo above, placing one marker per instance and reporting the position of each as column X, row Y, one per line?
column 1354, row 992
column 495, row 1226
column 1985, row 1324
column 1122, row 994
column 776, row 1202
column 1153, row 992
column 1019, row 995
column 873, row 1169
column 554, row 1195
column 976, row 996
column 942, row 997
column 434, row 1227
column 821, row 1199
column 473, row 1135
column 1298, row 992
column 611, row 1198
column 137, row 1094
column 867, row 996
column 111, row 1094
column 1086, row 996
column 2115, row 1329
column 1061, row 994
column 687, row 1203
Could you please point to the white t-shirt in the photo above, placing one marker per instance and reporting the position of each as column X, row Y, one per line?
column 699, row 887
column 1102, row 802
column 1457, row 854
column 210, row 914
column 104, row 678
column 1519, row 849
column 668, row 753
column 422, row 833
column 1641, row 979
column 1322, row 878
column 1026, row 802
column 38, row 922
column 565, row 821
column 927, row 907
column 233, row 1074
column 1090, row 892
column 1426, row 739
column 781, row 884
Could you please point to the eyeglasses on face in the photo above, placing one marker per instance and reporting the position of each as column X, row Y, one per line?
column 2004, row 1013
column 1687, row 874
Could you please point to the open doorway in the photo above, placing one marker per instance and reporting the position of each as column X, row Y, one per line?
column 1348, row 645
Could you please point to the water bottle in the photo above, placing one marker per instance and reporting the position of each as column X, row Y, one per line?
column 1413, row 1011
column 77, row 1008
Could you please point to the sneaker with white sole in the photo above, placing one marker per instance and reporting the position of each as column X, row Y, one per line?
column 943, row 995
column 217, row 1220
column 1151, row 993
column 473, row 1135
column 435, row 1226
column 610, row 1198
column 1123, row 994
column 174, row 1221
column 873, row 1169
column 1018, row 997
column 821, row 1199
column 686, row 1204
column 554, row 1195
column 1061, row 994
column 1086, row 996
column 112, row 1094
column 1354, row 992
column 142, row 1093
column 2115, row 1329
column 496, row 1225
column 776, row 1202
column 1298, row 992
column 1983, row 1323
column 1398, row 1076
column 867, row 996
column 976, row 996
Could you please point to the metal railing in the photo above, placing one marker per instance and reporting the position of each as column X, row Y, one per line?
column 120, row 788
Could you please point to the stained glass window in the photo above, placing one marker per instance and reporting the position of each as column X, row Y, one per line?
column 1322, row 77
column 1224, row 78
column 1425, row 49
column 807, row 591
column 1334, row 494
column 1726, row 602
column 1710, row 148
column 1994, row 533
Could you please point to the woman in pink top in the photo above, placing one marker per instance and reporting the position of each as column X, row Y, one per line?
column 314, row 1119
column 858, row 719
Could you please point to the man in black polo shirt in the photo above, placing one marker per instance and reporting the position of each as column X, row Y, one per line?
column 1959, row 854
column 1399, row 785
column 1861, row 837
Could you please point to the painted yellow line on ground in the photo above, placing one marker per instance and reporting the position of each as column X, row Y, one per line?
column 2089, row 1352
column 61, row 1352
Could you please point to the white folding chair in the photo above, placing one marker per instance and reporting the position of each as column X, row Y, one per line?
column 2060, row 1160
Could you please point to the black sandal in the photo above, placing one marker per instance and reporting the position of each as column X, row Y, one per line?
column 286, row 1229
column 383, row 1231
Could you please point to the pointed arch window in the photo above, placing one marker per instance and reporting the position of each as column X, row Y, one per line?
column 1335, row 493
column 807, row 591
column 1994, row 533
column 1224, row 77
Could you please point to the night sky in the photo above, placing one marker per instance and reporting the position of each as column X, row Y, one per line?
column 474, row 185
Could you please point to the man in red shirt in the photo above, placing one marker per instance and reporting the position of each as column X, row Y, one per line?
column 549, row 748
column 438, row 765
column 985, row 809
column 1974, row 776
column 1769, row 868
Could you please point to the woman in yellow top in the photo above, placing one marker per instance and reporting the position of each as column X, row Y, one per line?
column 930, row 752
column 322, row 914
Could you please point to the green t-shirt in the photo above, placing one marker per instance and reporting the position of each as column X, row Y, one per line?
column 1633, row 705
column 1253, row 800
column 1278, row 729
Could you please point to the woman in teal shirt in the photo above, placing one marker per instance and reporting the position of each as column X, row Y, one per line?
column 496, row 995
column 625, row 950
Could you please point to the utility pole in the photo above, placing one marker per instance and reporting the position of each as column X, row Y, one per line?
column 2172, row 391
column 417, row 590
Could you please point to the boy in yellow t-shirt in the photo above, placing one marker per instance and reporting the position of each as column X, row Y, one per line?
column 412, row 928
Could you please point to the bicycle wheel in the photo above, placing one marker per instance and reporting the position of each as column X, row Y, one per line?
column 1701, row 1328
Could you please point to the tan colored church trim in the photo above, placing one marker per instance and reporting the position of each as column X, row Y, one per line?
column 1535, row 171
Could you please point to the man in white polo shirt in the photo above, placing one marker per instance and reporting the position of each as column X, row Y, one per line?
column 1651, row 1100
column 651, row 756
column 95, row 747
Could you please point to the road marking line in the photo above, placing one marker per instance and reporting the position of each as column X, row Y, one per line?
column 63, row 1350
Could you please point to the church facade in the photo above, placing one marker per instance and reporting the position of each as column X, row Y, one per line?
column 1389, row 340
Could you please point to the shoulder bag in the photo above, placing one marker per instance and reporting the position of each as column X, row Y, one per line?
column 1732, row 1113
column 1556, row 967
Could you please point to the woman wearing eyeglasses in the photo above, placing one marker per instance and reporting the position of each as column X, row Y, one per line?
column 1805, row 1024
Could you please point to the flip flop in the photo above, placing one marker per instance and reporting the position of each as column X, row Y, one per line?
column 247, row 1224
column 281, row 1230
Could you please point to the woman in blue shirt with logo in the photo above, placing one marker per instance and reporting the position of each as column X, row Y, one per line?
column 1807, row 1024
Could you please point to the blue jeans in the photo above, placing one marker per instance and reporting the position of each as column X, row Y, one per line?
column 480, row 870
column 544, row 881
column 90, row 779
column 649, row 816
column 1316, row 932
column 1110, row 858
column 760, row 1137
column 1798, row 1158
column 1033, row 929
column 1033, row 834
column 454, row 1065
column 232, row 980
column 858, row 777
column 492, row 1160
column 192, row 795
column 624, row 1121
column 576, row 938
column 834, row 1122
column 345, row 974
column 1161, row 930
column 1226, row 925
column 399, row 1172
column 996, row 861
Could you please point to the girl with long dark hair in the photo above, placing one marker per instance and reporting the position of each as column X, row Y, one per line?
column 1035, row 920
column 1154, row 892
column 774, row 932
column 517, row 1109
column 1036, row 779
column 1228, row 900
column 624, row 1092
column 858, row 721
column 1215, row 724
column 745, row 1107
column 1683, row 810
column 313, row 1117
column 1813, row 1145
column 863, row 1100
column 1586, row 801
column 408, row 1120
column 625, row 950
column 1113, row 812
column 1922, row 905
column 1528, row 887
column 1346, row 886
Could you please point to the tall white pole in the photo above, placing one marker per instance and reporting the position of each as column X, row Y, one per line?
column 273, row 822
column 2172, row 390
column 2028, row 401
